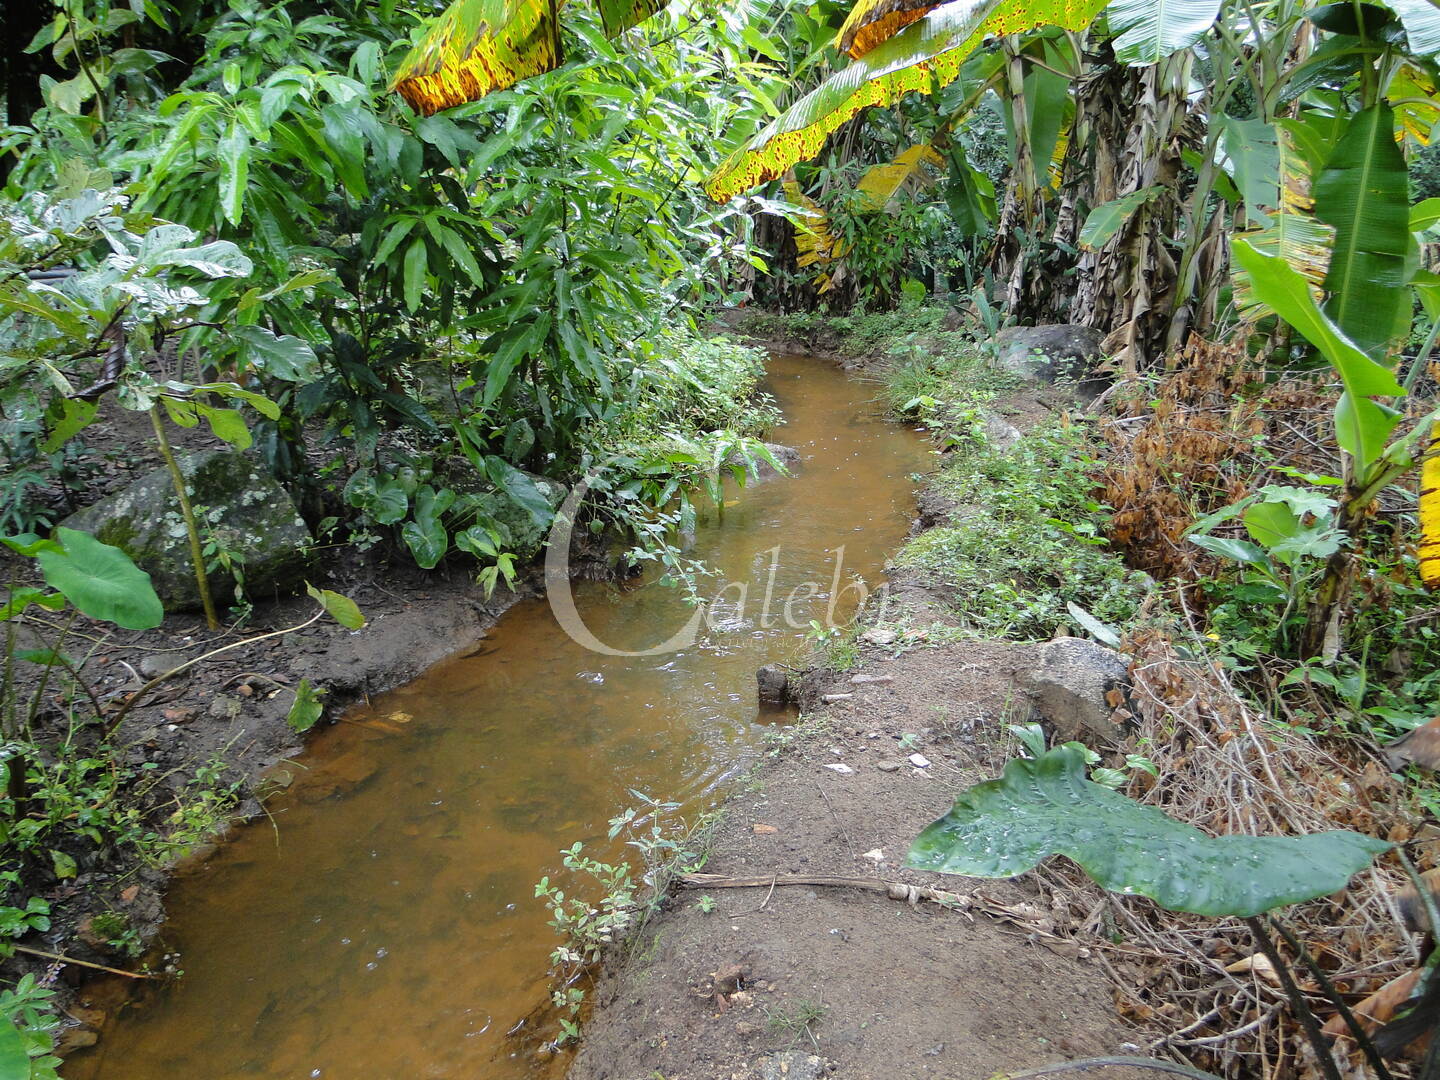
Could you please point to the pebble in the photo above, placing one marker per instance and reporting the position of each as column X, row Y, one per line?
column 830, row 699
column 837, row 767
column 862, row 679
column 920, row 761
column 888, row 766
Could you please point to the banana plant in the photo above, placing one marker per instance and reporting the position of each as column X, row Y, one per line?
column 476, row 47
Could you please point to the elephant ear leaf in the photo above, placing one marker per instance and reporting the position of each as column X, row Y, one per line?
column 1046, row 806
column 101, row 581
column 477, row 47
column 926, row 55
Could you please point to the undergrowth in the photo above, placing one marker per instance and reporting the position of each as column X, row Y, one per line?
column 1030, row 544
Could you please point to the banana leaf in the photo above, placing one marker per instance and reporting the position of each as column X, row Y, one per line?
column 1150, row 30
column 1364, row 192
column 919, row 59
column 1421, row 20
column 477, row 47
column 872, row 21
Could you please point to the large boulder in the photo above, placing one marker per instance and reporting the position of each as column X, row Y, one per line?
column 1071, row 686
column 234, row 498
column 1060, row 353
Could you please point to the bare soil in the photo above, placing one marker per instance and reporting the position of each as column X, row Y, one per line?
column 901, row 990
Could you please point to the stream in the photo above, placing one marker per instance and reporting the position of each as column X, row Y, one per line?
column 383, row 922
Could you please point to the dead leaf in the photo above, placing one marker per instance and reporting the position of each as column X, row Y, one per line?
column 1259, row 964
column 1411, row 909
column 1421, row 746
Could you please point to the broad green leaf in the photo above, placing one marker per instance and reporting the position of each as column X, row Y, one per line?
column 234, row 152
column 259, row 402
column 1149, row 30
column 1252, row 147
column 1424, row 215
column 390, row 503
column 919, row 59
column 22, row 597
column 101, row 581
column 1045, row 806
column 227, row 424
column 307, row 707
column 1364, row 192
column 340, row 608
column 1361, row 429
column 617, row 16
column 425, row 532
column 416, row 264
column 64, row 865
column 476, row 47
column 1236, row 550
column 1269, row 523
column 1106, row 219
column 74, row 415
column 280, row 356
column 521, row 489
column 14, row 1058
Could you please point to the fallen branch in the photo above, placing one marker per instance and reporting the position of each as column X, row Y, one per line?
column 895, row 890
column 82, row 963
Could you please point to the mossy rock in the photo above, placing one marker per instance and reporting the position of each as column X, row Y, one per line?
column 234, row 498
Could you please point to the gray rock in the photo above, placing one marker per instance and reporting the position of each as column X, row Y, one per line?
column 787, row 456
column 888, row 766
column 225, row 708
column 1062, row 352
column 774, row 683
column 790, row 1065
column 236, row 500
column 999, row 432
column 1070, row 686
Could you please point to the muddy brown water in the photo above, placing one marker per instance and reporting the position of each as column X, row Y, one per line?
column 383, row 924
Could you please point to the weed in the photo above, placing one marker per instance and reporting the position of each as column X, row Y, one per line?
column 797, row 1022
column 706, row 903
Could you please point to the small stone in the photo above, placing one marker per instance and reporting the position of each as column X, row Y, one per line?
column 245, row 690
column 152, row 667
column 837, row 767
column 830, row 699
column 764, row 830
column 874, row 855
column 862, row 679
column 888, row 766
column 920, row 761
column 225, row 708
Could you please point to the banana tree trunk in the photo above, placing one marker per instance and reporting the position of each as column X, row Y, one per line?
column 1135, row 120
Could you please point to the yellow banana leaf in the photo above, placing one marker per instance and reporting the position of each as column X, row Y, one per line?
column 1412, row 94
column 476, row 47
column 924, row 56
column 1430, row 513
column 814, row 243
column 881, row 182
column 872, row 21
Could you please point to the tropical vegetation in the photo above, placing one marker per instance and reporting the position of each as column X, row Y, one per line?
column 428, row 263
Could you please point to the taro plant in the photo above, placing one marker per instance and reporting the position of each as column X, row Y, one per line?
column 1045, row 805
